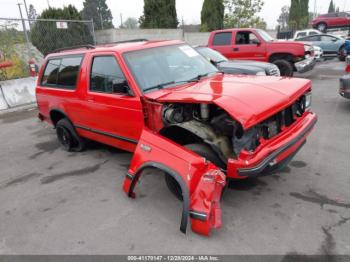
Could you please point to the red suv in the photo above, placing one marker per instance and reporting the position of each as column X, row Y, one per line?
column 177, row 113
column 332, row 20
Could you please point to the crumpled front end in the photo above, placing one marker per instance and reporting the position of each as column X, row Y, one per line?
column 201, row 182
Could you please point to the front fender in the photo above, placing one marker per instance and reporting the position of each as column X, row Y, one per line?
column 201, row 182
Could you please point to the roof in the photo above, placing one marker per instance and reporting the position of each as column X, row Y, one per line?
column 121, row 47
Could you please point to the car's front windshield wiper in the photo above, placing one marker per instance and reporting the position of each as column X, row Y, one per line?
column 161, row 86
column 195, row 79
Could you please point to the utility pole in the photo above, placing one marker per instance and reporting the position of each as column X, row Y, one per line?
column 24, row 29
column 99, row 11
column 121, row 20
column 26, row 8
column 48, row 3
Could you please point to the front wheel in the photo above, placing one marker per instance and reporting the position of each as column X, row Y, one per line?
column 285, row 67
column 322, row 27
column 342, row 54
column 201, row 150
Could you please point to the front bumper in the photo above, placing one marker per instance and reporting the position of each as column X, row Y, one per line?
column 344, row 89
column 272, row 152
column 305, row 65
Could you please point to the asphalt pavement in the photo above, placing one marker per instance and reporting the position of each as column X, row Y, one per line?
column 54, row 202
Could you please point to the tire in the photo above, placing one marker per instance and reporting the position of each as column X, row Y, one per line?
column 68, row 137
column 322, row 27
column 202, row 150
column 285, row 67
column 342, row 54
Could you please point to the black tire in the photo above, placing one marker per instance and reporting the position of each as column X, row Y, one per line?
column 202, row 150
column 285, row 67
column 322, row 27
column 342, row 54
column 68, row 137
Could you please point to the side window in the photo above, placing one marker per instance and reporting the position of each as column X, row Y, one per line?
column 301, row 35
column 326, row 38
column 106, row 76
column 313, row 33
column 50, row 73
column 246, row 38
column 222, row 38
column 62, row 72
column 68, row 72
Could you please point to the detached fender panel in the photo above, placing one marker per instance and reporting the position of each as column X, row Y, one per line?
column 201, row 182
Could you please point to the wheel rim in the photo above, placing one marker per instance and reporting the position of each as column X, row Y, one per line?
column 321, row 27
column 64, row 137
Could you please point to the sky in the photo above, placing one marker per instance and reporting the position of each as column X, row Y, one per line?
column 189, row 10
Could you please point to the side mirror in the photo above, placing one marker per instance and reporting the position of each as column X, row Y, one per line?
column 256, row 42
column 121, row 86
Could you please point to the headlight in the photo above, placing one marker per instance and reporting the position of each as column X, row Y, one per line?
column 308, row 48
column 308, row 101
column 261, row 73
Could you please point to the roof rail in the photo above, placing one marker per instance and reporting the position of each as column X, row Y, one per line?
column 129, row 41
column 72, row 48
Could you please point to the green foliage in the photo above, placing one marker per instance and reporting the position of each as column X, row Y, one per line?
column 159, row 14
column 243, row 13
column 130, row 23
column 9, row 38
column 299, row 14
column 331, row 8
column 212, row 15
column 283, row 18
column 98, row 11
column 46, row 37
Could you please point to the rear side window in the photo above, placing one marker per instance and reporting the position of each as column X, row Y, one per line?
column 106, row 75
column 62, row 72
column 222, row 38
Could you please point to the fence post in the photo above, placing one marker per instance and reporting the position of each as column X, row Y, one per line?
column 93, row 31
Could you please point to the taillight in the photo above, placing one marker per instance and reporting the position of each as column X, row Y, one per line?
column 347, row 69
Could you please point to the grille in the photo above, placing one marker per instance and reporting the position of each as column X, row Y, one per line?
column 273, row 71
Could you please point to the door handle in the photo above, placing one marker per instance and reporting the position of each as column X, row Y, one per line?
column 236, row 49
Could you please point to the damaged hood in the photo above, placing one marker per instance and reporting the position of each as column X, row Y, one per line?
column 248, row 99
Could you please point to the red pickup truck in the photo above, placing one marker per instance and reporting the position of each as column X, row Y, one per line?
column 178, row 114
column 256, row 44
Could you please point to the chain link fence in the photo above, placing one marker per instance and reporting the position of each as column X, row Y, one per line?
column 24, row 42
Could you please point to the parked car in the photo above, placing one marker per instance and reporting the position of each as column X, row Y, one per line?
column 307, row 32
column 344, row 89
column 332, row 20
column 238, row 66
column 178, row 114
column 256, row 44
column 331, row 45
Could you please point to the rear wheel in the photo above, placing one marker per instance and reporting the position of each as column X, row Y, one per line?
column 321, row 27
column 67, row 136
column 342, row 53
column 202, row 150
column 285, row 67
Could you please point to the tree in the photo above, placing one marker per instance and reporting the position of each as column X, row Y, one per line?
column 159, row 14
column 46, row 36
column 283, row 18
column 242, row 13
column 298, row 14
column 32, row 14
column 98, row 11
column 130, row 23
column 331, row 8
column 212, row 15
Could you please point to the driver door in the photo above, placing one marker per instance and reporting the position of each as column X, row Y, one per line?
column 113, row 112
column 248, row 46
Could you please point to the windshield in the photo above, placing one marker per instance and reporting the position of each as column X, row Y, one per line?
column 265, row 35
column 211, row 54
column 166, row 66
